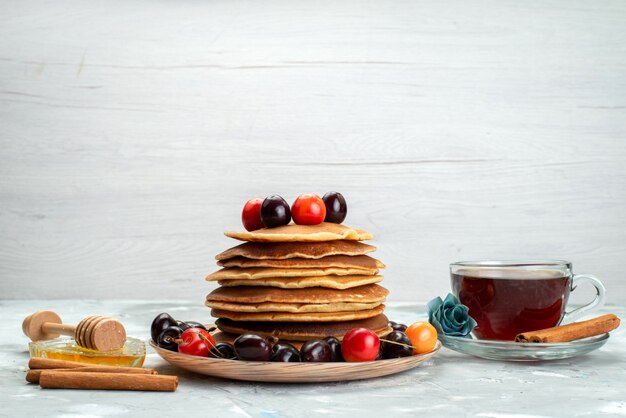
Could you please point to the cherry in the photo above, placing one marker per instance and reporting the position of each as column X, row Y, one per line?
column 224, row 350
column 316, row 351
column 160, row 323
column 336, row 207
column 360, row 344
column 167, row 338
column 285, row 352
column 275, row 211
column 396, row 344
column 335, row 348
column 252, row 347
column 196, row 342
column 251, row 214
column 397, row 326
column 194, row 324
column 183, row 325
column 308, row 209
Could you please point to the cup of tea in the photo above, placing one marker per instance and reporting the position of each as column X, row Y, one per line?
column 507, row 298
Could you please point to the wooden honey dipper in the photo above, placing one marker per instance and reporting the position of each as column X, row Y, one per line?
column 94, row 332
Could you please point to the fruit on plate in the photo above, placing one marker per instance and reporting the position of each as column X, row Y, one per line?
column 160, row 323
column 396, row 326
column 360, row 344
column 190, row 324
column 396, row 344
column 252, row 347
column 285, row 352
column 423, row 337
column 224, row 350
column 336, row 207
column 167, row 332
column 308, row 209
column 168, row 338
column 335, row 348
column 194, row 324
column 317, row 351
column 183, row 325
column 195, row 342
column 275, row 212
column 251, row 214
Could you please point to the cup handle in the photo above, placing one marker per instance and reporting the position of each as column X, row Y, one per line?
column 596, row 303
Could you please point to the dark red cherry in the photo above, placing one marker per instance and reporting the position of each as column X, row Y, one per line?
column 336, row 207
column 397, row 326
column 223, row 350
column 316, row 351
column 194, row 324
column 285, row 352
column 391, row 350
column 335, row 348
column 160, row 323
column 275, row 212
column 167, row 337
column 252, row 347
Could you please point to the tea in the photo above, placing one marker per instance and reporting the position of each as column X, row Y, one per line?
column 506, row 302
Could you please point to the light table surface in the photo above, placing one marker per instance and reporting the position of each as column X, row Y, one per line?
column 451, row 384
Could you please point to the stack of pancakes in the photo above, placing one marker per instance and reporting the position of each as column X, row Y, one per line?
column 299, row 282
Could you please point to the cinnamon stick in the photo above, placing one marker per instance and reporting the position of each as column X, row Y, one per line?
column 49, row 363
column 571, row 332
column 60, row 379
column 33, row 375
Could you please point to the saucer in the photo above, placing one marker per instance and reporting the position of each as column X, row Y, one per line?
column 513, row 351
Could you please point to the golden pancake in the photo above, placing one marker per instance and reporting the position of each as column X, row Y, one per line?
column 233, row 273
column 285, row 250
column 343, row 261
column 250, row 294
column 302, row 233
column 291, row 307
column 304, row 331
column 298, row 317
column 333, row 282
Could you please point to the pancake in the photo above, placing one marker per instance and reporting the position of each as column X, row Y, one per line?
column 251, row 294
column 304, row 331
column 343, row 261
column 332, row 282
column 286, row 250
column 232, row 273
column 302, row 233
column 298, row 317
column 292, row 307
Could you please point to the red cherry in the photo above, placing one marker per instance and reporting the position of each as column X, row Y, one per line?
column 360, row 344
column 308, row 209
column 196, row 342
column 251, row 214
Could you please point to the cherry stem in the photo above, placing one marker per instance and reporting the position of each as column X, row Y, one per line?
column 397, row 343
column 173, row 340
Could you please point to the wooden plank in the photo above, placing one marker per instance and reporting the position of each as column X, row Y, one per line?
column 132, row 134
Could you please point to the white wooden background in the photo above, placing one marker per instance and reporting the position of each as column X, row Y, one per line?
column 132, row 132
